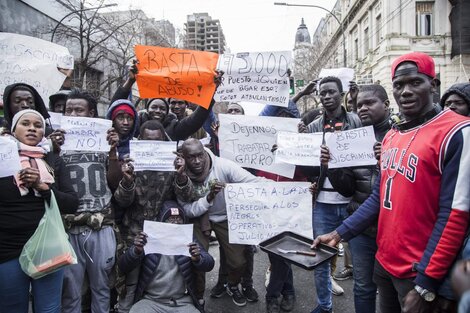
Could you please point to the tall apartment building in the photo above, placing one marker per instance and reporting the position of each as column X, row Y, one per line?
column 204, row 33
column 376, row 32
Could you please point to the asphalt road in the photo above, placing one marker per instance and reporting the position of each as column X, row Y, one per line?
column 303, row 282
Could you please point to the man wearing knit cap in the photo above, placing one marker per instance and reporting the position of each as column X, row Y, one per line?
column 125, row 122
column 422, row 198
column 457, row 99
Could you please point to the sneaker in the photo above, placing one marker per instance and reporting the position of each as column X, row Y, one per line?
column 318, row 309
column 336, row 289
column 287, row 303
column 267, row 277
column 346, row 273
column 340, row 249
column 236, row 295
column 218, row 290
column 250, row 294
column 272, row 306
column 213, row 240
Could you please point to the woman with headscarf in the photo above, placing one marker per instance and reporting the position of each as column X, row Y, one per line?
column 22, row 205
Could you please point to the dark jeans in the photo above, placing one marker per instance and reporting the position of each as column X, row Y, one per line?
column 363, row 249
column 247, row 277
column 281, row 280
column 392, row 290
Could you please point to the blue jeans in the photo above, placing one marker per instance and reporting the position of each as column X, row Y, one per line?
column 363, row 249
column 281, row 280
column 14, row 290
column 326, row 218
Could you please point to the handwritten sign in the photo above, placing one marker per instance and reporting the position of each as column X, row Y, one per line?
column 343, row 73
column 354, row 147
column 167, row 238
column 9, row 157
column 42, row 51
column 33, row 61
column 85, row 133
column 299, row 149
column 176, row 73
column 249, row 145
column 259, row 211
column 255, row 77
column 152, row 155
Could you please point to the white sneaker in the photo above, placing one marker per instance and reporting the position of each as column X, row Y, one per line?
column 340, row 250
column 267, row 276
column 336, row 289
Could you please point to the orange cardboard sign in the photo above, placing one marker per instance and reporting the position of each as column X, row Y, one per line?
column 176, row 73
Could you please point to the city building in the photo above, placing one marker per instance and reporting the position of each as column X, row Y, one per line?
column 304, row 57
column 101, row 63
column 204, row 33
column 377, row 31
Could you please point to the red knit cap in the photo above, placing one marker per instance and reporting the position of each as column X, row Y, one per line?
column 122, row 108
column 423, row 61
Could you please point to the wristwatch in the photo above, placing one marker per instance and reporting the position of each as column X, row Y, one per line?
column 427, row 295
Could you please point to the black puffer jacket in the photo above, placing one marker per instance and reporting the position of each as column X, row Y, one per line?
column 359, row 181
column 349, row 120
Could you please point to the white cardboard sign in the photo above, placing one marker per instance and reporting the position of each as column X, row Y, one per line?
column 258, row 211
column 33, row 61
column 153, row 155
column 354, row 147
column 167, row 238
column 259, row 77
column 299, row 148
column 9, row 158
column 248, row 140
column 85, row 133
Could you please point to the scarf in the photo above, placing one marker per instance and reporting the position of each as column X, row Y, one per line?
column 34, row 157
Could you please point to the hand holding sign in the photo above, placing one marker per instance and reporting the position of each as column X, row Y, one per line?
column 176, row 73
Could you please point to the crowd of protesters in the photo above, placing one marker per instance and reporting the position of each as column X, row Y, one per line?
column 405, row 219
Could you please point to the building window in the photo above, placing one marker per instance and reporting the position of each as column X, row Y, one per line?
column 356, row 48
column 378, row 32
column 424, row 18
column 366, row 41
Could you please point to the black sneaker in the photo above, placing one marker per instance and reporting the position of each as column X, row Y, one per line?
column 346, row 273
column 236, row 295
column 272, row 306
column 287, row 303
column 218, row 290
column 250, row 294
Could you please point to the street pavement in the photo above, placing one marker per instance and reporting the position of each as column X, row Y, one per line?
column 303, row 282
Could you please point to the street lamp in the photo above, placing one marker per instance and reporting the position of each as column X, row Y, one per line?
column 331, row 13
column 76, row 11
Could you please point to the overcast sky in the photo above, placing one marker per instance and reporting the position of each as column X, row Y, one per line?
column 248, row 25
